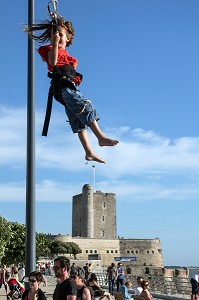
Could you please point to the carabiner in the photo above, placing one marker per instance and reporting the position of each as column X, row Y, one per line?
column 52, row 9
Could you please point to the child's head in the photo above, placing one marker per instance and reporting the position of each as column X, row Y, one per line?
column 128, row 284
column 139, row 280
column 46, row 28
column 93, row 277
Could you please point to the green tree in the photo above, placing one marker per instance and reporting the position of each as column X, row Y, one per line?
column 58, row 247
column 42, row 245
column 15, row 247
column 12, row 242
column 5, row 233
column 74, row 249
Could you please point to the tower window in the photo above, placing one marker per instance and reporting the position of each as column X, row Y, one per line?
column 102, row 233
column 104, row 204
column 103, row 218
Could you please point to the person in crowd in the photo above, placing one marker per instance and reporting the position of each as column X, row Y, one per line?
column 124, row 289
column 195, row 286
column 43, row 268
column 14, row 273
column 111, row 277
column 34, row 292
column 7, row 274
column 145, row 292
column 21, row 273
column 138, row 289
column 73, row 266
column 46, row 270
column 65, row 288
column 44, row 280
column 3, row 278
column 14, row 281
column 78, row 275
column 98, row 291
column 86, row 271
column 120, row 276
column 49, row 268
column 90, row 269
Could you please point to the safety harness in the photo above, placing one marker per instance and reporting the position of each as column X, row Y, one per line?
column 62, row 77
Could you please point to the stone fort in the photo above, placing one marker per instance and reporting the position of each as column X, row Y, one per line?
column 94, row 230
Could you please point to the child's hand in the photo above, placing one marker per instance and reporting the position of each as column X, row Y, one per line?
column 55, row 38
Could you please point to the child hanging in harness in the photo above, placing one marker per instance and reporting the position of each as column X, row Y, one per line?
column 65, row 80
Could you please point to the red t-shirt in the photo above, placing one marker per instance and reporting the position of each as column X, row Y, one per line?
column 63, row 57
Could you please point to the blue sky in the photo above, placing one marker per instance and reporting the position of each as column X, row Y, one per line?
column 140, row 60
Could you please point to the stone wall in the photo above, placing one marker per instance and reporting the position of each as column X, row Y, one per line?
column 147, row 252
column 104, row 215
column 164, row 281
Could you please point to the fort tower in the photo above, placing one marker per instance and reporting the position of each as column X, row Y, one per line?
column 94, row 214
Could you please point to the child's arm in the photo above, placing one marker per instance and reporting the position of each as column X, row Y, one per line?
column 53, row 54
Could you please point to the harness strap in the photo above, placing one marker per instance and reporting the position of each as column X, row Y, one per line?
column 63, row 77
column 48, row 112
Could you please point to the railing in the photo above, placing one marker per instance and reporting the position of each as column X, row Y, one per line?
column 172, row 287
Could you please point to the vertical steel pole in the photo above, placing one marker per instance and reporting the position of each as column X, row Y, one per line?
column 30, row 164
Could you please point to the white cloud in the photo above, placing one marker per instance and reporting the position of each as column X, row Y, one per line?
column 143, row 166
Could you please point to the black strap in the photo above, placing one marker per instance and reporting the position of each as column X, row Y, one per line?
column 48, row 112
column 64, row 77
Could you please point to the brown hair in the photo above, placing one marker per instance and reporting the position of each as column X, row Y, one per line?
column 38, row 276
column 46, row 27
column 144, row 283
column 64, row 262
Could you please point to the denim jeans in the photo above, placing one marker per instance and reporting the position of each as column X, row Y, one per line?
column 120, row 281
column 111, row 284
column 79, row 110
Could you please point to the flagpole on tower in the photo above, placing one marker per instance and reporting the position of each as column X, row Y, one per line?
column 93, row 166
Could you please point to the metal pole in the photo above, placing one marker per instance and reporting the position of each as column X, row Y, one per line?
column 30, row 165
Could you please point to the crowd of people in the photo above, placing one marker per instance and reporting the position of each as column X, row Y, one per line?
column 12, row 278
column 73, row 282
column 77, row 283
column 115, row 277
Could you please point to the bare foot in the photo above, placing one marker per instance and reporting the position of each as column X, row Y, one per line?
column 107, row 142
column 94, row 157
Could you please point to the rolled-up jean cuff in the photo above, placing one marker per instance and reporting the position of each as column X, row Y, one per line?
column 80, row 111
